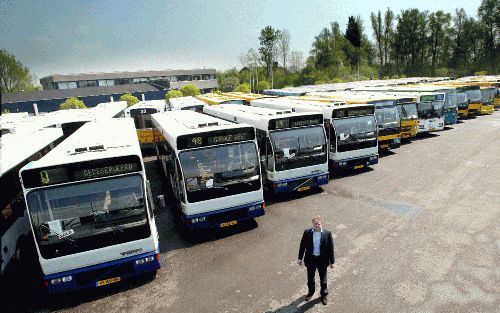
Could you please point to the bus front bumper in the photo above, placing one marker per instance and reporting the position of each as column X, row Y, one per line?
column 487, row 109
column 225, row 217
column 103, row 274
column 463, row 113
column 474, row 108
column 409, row 129
column 355, row 163
column 299, row 184
column 389, row 141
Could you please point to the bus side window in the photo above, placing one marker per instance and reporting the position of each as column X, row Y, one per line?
column 269, row 155
column 333, row 139
column 179, row 181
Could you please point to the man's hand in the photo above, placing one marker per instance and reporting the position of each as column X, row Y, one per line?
column 331, row 265
column 299, row 262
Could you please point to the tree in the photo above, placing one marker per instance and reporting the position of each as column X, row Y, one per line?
column 190, row 90
column 284, row 46
column 489, row 15
column 72, row 103
column 268, row 48
column 439, row 24
column 353, row 34
column 245, row 88
column 174, row 93
column 377, row 32
column 388, row 34
column 262, row 85
column 129, row 98
column 296, row 61
column 410, row 42
column 14, row 76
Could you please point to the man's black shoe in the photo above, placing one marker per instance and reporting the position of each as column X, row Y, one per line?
column 308, row 297
column 324, row 300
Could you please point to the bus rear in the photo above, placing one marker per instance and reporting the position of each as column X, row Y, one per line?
column 141, row 113
column 90, row 209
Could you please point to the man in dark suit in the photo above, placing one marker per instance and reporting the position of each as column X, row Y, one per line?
column 316, row 248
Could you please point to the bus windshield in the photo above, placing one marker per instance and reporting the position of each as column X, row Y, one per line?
column 85, row 216
column 474, row 95
column 462, row 100
column 430, row 109
column 299, row 147
column 220, row 171
column 387, row 117
column 488, row 95
column 451, row 101
column 408, row 111
column 355, row 133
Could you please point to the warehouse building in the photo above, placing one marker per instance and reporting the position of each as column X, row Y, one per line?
column 204, row 79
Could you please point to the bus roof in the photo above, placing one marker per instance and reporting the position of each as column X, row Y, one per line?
column 256, row 116
column 173, row 124
column 214, row 98
column 18, row 147
column 304, row 106
column 149, row 104
column 246, row 96
column 184, row 102
column 93, row 141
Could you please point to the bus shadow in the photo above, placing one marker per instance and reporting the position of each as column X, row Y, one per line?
column 208, row 235
column 385, row 153
column 271, row 198
column 423, row 136
column 448, row 127
column 341, row 173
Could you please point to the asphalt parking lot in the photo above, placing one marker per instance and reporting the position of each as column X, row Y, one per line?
column 419, row 232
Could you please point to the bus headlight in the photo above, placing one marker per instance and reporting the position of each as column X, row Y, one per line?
column 67, row 279
column 198, row 219
column 55, row 281
column 254, row 207
column 281, row 185
column 373, row 158
column 145, row 260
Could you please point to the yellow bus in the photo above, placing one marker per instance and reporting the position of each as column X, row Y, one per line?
column 215, row 98
column 247, row 97
column 474, row 97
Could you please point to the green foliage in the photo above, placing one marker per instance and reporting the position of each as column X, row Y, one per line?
column 229, row 83
column 72, row 103
column 245, row 88
column 268, row 47
column 129, row 98
column 319, row 82
column 353, row 32
column 190, row 90
column 479, row 73
column 14, row 76
column 174, row 93
column 261, row 85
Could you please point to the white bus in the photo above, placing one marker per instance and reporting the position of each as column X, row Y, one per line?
column 141, row 113
column 90, row 209
column 293, row 146
column 213, row 168
column 351, row 129
column 16, row 151
column 186, row 103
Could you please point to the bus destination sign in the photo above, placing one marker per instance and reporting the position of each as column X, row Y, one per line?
column 215, row 138
column 106, row 171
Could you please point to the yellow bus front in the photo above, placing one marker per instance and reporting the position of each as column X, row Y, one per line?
column 409, row 128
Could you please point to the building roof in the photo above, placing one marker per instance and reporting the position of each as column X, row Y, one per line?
column 115, row 75
column 25, row 96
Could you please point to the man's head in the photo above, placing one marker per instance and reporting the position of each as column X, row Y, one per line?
column 317, row 223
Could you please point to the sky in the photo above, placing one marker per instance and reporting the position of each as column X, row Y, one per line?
column 81, row 36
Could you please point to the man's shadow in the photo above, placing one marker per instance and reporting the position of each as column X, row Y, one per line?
column 297, row 306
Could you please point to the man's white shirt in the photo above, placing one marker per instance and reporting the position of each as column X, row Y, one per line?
column 316, row 241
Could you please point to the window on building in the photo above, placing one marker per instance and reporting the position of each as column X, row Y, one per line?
column 196, row 77
column 106, row 82
column 123, row 81
column 184, row 78
column 173, row 78
column 91, row 83
column 67, row 85
column 207, row 76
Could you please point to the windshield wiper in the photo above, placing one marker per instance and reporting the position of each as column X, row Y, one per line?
column 68, row 240
column 103, row 215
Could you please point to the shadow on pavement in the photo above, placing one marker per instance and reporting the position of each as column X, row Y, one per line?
column 341, row 173
column 423, row 136
column 290, row 196
column 297, row 306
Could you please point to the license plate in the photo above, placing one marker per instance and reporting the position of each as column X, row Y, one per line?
column 304, row 188
column 108, row 281
column 230, row 223
column 358, row 166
